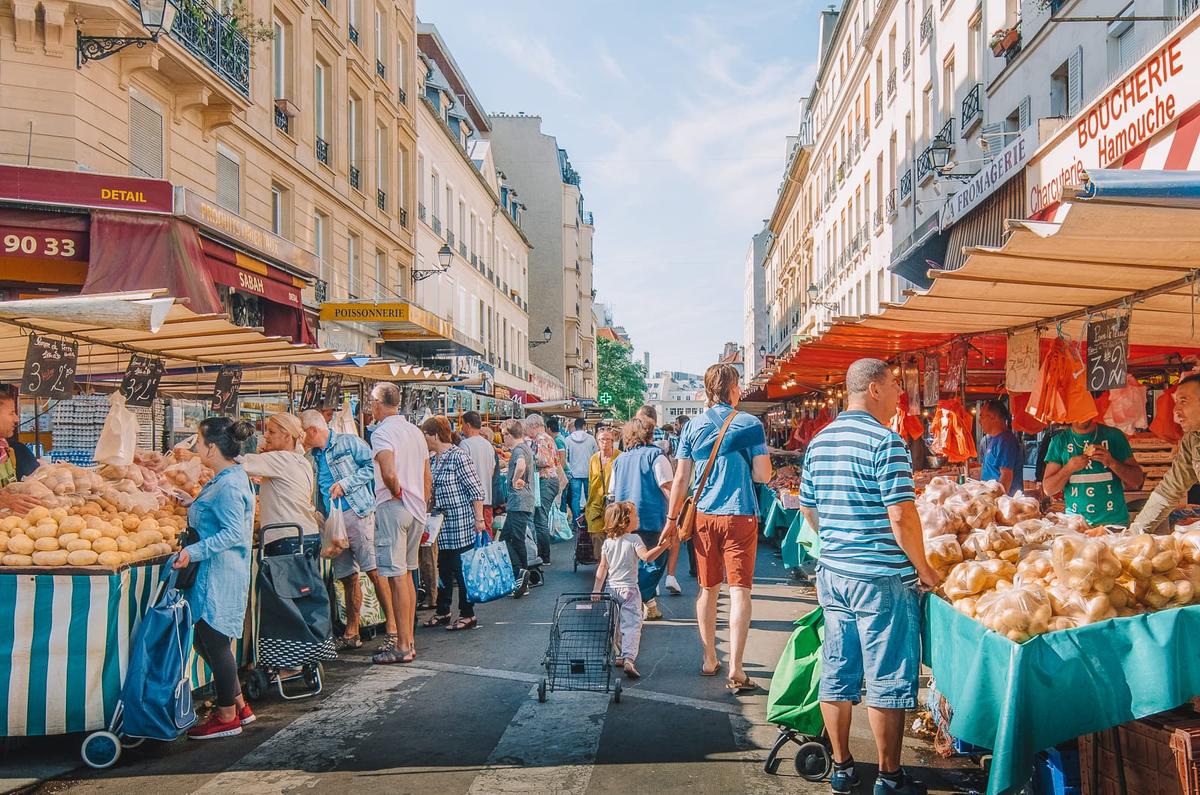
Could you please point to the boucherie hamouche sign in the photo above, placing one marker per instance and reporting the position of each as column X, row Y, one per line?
column 1142, row 109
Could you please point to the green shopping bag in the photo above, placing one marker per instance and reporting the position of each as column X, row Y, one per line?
column 792, row 701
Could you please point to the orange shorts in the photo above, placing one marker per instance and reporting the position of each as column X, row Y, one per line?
column 725, row 549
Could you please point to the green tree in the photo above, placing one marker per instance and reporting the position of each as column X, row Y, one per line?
column 621, row 381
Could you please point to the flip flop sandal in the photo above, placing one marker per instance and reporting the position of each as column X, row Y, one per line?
column 744, row 686
column 713, row 672
column 437, row 621
column 463, row 623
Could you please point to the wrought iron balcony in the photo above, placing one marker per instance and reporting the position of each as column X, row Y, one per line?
column 972, row 106
column 437, row 225
column 907, row 59
column 878, row 217
column 924, row 165
column 450, row 236
column 381, row 199
column 215, row 40
column 281, row 119
column 354, row 35
column 404, row 218
column 380, row 69
column 322, row 151
column 1012, row 52
column 421, row 211
column 889, row 202
column 906, row 184
column 355, row 178
column 474, row 260
column 321, row 291
column 403, row 97
column 927, row 26
column 879, row 108
column 462, row 249
column 891, row 84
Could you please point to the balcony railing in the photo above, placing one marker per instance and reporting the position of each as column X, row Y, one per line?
column 474, row 260
column 355, row 178
column 281, row 119
column 380, row 69
column 889, row 203
column 321, row 291
column 866, row 234
column 381, row 199
column 906, row 184
column 322, row 151
column 214, row 39
column 891, row 84
column 403, row 97
column 1012, row 52
column 972, row 106
column 450, row 236
column 404, row 218
column 462, row 249
column 927, row 26
column 421, row 211
column 437, row 225
column 879, row 108
column 924, row 165
column 878, row 217
column 907, row 59
column 354, row 35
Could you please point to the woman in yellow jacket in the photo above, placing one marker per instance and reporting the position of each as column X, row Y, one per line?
column 599, row 482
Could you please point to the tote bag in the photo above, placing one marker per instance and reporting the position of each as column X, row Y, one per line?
column 487, row 571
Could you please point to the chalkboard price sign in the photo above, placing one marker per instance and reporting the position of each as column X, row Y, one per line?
column 142, row 377
column 50, row 365
column 225, row 391
column 1107, row 353
column 333, row 392
column 313, row 392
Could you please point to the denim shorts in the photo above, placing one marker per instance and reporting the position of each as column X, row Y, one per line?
column 872, row 630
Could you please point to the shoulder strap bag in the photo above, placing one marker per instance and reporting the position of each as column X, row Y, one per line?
column 687, row 514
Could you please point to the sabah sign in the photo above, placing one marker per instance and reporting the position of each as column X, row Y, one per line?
column 1147, row 99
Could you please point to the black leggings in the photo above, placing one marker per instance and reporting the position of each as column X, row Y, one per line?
column 450, row 574
column 215, row 649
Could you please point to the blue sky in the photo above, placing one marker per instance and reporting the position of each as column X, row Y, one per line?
column 675, row 114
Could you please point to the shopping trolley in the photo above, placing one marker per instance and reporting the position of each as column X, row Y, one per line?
column 580, row 654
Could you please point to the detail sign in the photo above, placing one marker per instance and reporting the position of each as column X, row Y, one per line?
column 81, row 189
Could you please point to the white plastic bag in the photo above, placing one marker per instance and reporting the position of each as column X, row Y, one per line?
column 343, row 420
column 334, row 540
column 118, row 439
column 1127, row 407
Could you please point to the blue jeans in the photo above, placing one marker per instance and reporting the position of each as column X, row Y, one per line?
column 872, row 630
column 650, row 572
column 579, row 496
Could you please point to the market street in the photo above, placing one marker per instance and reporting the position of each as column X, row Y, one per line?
column 464, row 718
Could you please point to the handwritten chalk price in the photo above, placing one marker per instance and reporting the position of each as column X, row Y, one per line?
column 50, row 366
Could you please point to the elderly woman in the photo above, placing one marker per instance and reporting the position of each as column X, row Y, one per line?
column 286, row 490
column 223, row 515
column 458, row 499
column 599, row 484
column 643, row 475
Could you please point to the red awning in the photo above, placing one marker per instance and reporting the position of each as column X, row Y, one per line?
column 232, row 269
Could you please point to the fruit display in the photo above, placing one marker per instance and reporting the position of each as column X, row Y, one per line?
column 785, row 478
column 1023, row 574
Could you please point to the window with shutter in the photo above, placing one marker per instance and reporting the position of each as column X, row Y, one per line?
column 145, row 139
column 1075, row 82
column 1125, row 44
column 1024, row 114
column 229, row 182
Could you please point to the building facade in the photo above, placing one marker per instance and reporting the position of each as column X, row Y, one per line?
column 468, row 222
column 560, row 264
column 675, row 394
column 754, row 302
column 289, row 121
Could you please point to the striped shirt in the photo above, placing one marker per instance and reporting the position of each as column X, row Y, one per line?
column 854, row 469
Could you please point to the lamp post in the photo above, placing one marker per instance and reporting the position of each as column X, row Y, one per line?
column 157, row 16
column 546, row 334
column 813, row 292
column 445, row 256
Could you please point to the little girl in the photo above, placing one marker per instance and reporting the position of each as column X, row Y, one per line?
column 619, row 565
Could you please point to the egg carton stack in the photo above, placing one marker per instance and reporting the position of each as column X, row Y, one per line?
column 77, row 424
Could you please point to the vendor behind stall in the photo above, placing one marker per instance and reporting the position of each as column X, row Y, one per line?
column 13, row 465
column 1000, row 452
column 1182, row 475
column 1093, row 465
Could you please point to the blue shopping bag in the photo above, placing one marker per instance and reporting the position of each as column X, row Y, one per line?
column 560, row 526
column 488, row 571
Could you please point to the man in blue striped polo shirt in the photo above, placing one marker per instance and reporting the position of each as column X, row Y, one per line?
column 857, row 492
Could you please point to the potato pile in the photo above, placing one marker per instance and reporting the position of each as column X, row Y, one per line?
column 1023, row 575
column 97, row 533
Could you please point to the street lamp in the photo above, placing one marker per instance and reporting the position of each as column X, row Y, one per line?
column 157, row 16
column 939, row 152
column 813, row 292
column 546, row 333
column 762, row 350
column 445, row 256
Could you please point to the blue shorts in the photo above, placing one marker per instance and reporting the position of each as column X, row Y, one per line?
column 872, row 630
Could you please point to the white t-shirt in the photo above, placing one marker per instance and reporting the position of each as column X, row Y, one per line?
column 621, row 554
column 664, row 473
column 410, row 455
column 484, row 456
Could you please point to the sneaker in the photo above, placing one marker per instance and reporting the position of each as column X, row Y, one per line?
column 246, row 715
column 843, row 781
column 522, row 585
column 651, row 612
column 214, row 727
column 907, row 786
column 673, row 586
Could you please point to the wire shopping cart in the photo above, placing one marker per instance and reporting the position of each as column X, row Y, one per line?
column 580, row 654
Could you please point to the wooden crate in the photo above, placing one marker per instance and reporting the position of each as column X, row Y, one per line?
column 1156, row 754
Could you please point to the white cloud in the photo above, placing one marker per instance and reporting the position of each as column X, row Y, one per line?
column 611, row 66
column 533, row 56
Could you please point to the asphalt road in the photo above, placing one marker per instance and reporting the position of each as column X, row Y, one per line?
column 464, row 718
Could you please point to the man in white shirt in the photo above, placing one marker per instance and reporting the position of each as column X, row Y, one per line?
column 484, row 455
column 402, row 484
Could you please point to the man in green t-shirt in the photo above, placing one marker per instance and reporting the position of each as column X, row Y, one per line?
column 1093, row 465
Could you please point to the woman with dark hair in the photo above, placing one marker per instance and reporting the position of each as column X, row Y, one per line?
column 458, row 498
column 223, row 517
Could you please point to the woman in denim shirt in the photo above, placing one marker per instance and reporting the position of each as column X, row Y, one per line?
column 223, row 515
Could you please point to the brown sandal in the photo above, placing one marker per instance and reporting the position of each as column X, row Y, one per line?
column 743, row 686
column 436, row 621
column 713, row 672
column 463, row 623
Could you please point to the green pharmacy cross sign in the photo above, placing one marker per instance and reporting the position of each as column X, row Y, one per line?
column 605, row 398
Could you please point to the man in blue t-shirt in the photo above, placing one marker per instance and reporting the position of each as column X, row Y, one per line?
column 1000, row 454
column 857, row 493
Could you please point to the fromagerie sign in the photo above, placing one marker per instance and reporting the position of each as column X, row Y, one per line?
column 1131, row 112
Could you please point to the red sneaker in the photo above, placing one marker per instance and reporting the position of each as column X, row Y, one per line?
column 215, row 727
column 246, row 715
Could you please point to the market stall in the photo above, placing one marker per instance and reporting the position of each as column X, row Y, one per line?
column 1042, row 607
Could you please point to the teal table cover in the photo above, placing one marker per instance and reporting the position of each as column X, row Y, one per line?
column 1018, row 699
column 800, row 543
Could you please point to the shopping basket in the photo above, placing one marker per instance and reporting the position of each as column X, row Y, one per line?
column 792, row 703
column 580, row 654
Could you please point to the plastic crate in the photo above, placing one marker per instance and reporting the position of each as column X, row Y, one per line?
column 1185, row 743
column 1147, row 763
column 1056, row 772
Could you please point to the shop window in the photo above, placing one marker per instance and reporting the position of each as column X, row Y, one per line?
column 145, row 136
column 229, row 180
